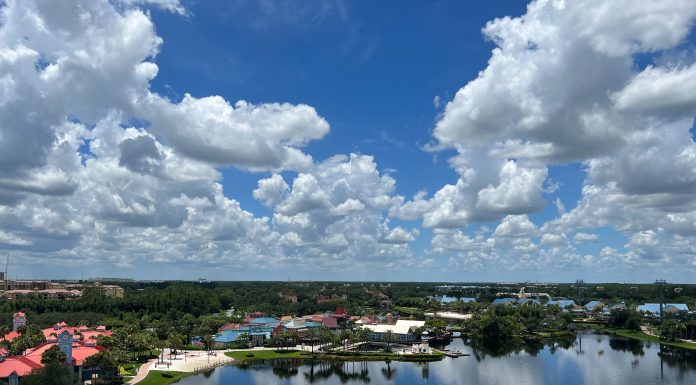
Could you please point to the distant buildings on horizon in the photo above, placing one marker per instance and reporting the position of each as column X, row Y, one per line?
column 20, row 289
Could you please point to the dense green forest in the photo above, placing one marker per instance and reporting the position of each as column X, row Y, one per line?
column 164, row 304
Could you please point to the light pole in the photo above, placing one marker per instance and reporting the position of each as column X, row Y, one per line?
column 661, row 283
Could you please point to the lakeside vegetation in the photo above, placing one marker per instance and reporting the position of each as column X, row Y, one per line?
column 162, row 378
column 251, row 355
column 255, row 355
column 638, row 335
column 504, row 323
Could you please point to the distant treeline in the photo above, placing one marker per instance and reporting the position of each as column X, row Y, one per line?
column 156, row 303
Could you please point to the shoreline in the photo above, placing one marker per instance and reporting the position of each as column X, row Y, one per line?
column 639, row 335
column 245, row 356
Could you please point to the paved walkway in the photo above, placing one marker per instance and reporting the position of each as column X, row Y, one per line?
column 193, row 361
column 142, row 372
column 199, row 360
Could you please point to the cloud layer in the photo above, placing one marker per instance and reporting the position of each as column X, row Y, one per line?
column 95, row 166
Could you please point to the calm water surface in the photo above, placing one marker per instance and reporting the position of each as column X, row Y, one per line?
column 587, row 359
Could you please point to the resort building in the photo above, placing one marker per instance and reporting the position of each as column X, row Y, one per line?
column 112, row 291
column 257, row 330
column 18, row 290
column 651, row 311
column 446, row 300
column 504, row 301
column 562, row 303
column 403, row 331
column 78, row 343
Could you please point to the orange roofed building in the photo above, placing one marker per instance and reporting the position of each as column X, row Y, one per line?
column 67, row 338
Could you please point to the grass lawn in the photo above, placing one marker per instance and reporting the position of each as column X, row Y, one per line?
column 407, row 310
column 639, row 335
column 267, row 354
column 129, row 369
column 155, row 377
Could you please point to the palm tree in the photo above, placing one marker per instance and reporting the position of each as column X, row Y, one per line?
column 175, row 342
column 4, row 330
column 312, row 336
column 345, row 336
column 364, row 337
column 325, row 335
column 102, row 362
column 243, row 338
column 282, row 338
column 354, row 337
column 389, row 336
column 208, row 341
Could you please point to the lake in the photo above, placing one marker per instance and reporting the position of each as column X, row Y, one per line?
column 586, row 359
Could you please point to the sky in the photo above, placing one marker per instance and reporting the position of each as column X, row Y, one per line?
column 348, row 140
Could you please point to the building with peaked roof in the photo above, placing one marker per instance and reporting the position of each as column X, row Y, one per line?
column 403, row 331
column 594, row 304
column 504, row 301
column 13, row 368
column 264, row 321
column 258, row 329
column 229, row 326
column 528, row 301
column 447, row 300
column 654, row 308
column 562, row 303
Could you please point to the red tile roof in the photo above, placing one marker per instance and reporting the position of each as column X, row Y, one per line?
column 79, row 352
column 20, row 365
column 329, row 322
column 88, row 334
column 11, row 336
column 229, row 326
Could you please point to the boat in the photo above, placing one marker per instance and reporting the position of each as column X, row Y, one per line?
column 454, row 353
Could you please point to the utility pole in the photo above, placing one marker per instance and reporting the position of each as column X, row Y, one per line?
column 661, row 283
column 6, row 277
column 579, row 283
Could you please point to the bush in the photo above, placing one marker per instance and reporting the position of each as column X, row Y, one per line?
column 167, row 375
column 250, row 355
column 632, row 324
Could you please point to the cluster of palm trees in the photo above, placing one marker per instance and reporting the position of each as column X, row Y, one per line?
column 130, row 339
column 344, row 338
column 321, row 336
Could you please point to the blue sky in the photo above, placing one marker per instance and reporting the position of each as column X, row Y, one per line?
column 384, row 141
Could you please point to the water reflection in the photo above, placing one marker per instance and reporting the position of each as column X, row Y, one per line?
column 586, row 359
column 344, row 371
column 482, row 349
column 627, row 345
